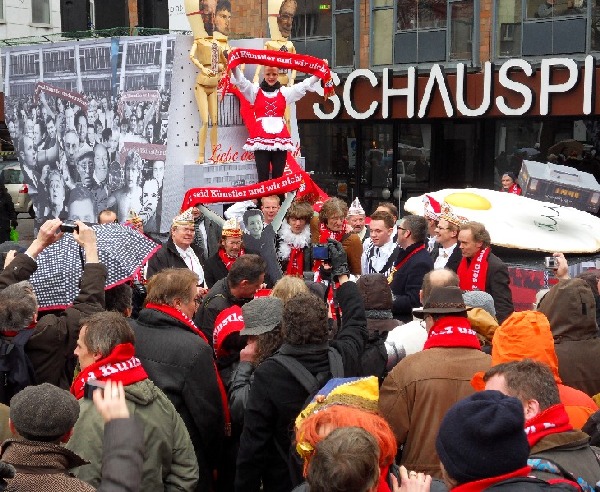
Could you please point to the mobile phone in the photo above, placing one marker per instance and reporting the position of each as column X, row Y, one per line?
column 550, row 263
column 320, row 252
column 69, row 226
column 90, row 387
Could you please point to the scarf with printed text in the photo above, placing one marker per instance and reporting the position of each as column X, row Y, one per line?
column 120, row 365
column 472, row 276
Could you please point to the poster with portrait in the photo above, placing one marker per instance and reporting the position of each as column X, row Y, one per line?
column 89, row 123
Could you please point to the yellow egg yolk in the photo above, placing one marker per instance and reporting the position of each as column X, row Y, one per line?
column 468, row 200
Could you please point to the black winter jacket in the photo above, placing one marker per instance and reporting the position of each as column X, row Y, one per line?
column 181, row 364
column 276, row 398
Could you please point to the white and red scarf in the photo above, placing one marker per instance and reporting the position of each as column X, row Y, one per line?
column 228, row 260
column 452, row 331
column 182, row 318
column 551, row 421
column 291, row 248
column 472, row 276
column 120, row 365
column 515, row 189
column 485, row 483
column 281, row 59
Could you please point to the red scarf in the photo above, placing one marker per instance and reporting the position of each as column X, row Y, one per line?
column 281, row 59
column 551, row 421
column 401, row 263
column 485, row 483
column 228, row 260
column 473, row 275
column 179, row 316
column 295, row 264
column 452, row 331
column 515, row 189
column 120, row 365
column 8, row 333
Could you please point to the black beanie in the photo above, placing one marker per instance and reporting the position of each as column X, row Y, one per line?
column 483, row 436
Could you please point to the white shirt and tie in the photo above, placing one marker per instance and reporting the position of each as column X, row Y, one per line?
column 375, row 258
column 192, row 262
column 443, row 256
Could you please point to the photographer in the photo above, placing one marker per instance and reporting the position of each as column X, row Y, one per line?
column 277, row 396
column 55, row 335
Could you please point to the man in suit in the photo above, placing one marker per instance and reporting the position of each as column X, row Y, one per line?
column 413, row 263
column 180, row 250
column 480, row 269
column 446, row 253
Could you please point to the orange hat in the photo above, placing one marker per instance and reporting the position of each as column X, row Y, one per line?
column 523, row 335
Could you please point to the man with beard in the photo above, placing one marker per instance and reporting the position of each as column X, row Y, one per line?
column 356, row 219
column 218, row 265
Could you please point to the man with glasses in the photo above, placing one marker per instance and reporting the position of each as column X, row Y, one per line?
column 412, row 264
column 180, row 250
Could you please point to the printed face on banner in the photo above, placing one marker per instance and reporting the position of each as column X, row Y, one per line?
column 100, row 148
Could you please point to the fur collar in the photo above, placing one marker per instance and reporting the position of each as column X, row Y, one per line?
column 291, row 240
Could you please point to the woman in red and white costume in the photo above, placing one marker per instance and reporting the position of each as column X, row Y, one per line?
column 270, row 138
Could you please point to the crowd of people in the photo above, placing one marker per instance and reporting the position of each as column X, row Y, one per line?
column 288, row 349
column 73, row 158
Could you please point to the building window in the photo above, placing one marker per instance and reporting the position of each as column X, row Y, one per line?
column 1, row 10
column 424, row 31
column 40, row 11
column 562, row 24
column 314, row 26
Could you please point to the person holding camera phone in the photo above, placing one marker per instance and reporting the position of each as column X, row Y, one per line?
column 331, row 224
column 55, row 335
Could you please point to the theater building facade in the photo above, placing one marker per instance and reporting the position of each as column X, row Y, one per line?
column 446, row 93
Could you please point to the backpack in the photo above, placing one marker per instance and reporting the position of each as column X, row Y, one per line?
column 16, row 370
column 311, row 384
column 550, row 466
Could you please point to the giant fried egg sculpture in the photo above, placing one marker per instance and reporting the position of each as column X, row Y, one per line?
column 515, row 221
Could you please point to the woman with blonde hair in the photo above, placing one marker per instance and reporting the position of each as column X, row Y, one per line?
column 287, row 287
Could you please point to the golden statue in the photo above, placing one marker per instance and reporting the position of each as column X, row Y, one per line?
column 209, row 54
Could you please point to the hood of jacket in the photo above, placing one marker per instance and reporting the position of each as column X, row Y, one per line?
column 375, row 291
column 141, row 393
column 571, row 309
column 523, row 335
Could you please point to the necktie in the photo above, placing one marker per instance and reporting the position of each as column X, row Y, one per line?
column 198, row 238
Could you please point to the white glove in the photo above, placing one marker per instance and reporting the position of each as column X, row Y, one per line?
column 236, row 75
